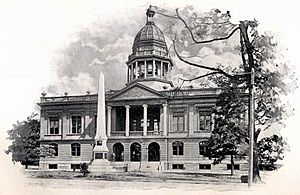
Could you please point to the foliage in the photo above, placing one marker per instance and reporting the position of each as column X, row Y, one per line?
column 272, row 78
column 25, row 146
column 229, row 135
column 84, row 168
column 271, row 150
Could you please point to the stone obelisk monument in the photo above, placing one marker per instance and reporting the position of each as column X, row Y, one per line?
column 100, row 152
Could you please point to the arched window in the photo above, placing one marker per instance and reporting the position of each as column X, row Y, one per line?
column 203, row 148
column 55, row 148
column 153, row 152
column 135, row 152
column 177, row 148
column 118, row 154
column 75, row 149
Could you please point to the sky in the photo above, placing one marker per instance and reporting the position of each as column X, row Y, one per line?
column 59, row 46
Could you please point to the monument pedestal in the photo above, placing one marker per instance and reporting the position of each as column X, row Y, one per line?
column 100, row 162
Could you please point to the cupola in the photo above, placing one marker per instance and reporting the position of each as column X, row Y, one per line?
column 149, row 59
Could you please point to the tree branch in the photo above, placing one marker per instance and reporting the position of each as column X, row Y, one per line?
column 267, row 127
column 205, row 41
column 201, row 76
column 198, row 65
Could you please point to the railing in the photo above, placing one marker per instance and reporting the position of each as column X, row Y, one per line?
column 116, row 133
column 151, row 52
column 88, row 97
column 154, row 132
column 192, row 92
column 136, row 133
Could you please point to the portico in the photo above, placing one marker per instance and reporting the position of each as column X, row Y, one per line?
column 137, row 120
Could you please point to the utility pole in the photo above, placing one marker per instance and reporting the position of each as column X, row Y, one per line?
column 251, row 127
column 248, row 51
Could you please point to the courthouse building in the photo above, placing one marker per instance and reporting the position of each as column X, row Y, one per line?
column 149, row 124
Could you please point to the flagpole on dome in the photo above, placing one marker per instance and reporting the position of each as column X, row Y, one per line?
column 150, row 13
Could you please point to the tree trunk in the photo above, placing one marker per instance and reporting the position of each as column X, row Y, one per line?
column 256, row 175
column 232, row 165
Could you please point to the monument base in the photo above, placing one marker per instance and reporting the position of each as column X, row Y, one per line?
column 101, row 166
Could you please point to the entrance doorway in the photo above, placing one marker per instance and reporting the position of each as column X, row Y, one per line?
column 135, row 152
column 153, row 152
column 118, row 150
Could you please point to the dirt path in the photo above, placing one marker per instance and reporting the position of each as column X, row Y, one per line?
column 120, row 185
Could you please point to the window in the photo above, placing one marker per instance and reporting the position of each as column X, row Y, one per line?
column 52, row 166
column 157, row 68
column 134, row 125
column 178, row 122
column 99, row 155
column 177, row 166
column 155, row 124
column 75, row 166
column 204, row 121
column 205, row 166
column 165, row 68
column 235, row 167
column 177, row 148
column 55, row 148
column 142, row 69
column 54, row 125
column 75, row 149
column 149, row 68
column 76, row 124
column 202, row 148
column 95, row 122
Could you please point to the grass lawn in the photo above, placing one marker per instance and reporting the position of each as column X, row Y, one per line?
column 139, row 176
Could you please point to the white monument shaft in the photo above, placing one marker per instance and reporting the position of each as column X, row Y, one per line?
column 101, row 127
column 101, row 137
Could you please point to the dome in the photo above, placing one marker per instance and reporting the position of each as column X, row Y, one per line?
column 150, row 32
column 149, row 61
column 149, row 41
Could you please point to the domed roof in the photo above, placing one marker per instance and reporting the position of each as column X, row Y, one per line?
column 150, row 32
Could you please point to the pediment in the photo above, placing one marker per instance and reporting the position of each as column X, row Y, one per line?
column 136, row 92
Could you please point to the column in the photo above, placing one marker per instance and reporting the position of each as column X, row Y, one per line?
column 161, row 69
column 82, row 123
column 165, row 119
column 153, row 69
column 88, row 121
column 191, row 119
column 44, row 128
column 145, row 69
column 108, row 120
column 136, row 69
column 127, row 121
column 60, row 125
column 132, row 71
column 145, row 120
column 113, row 119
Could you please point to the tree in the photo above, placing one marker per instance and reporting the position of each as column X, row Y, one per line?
column 228, row 136
column 25, row 147
column 271, row 150
column 272, row 78
column 84, row 169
